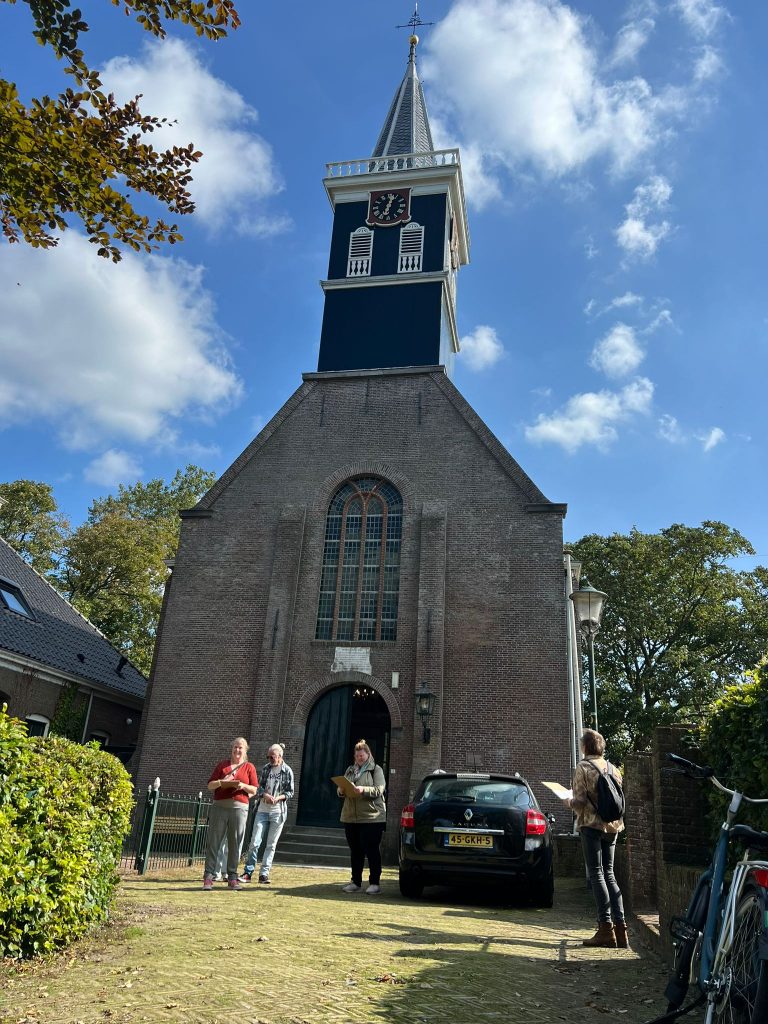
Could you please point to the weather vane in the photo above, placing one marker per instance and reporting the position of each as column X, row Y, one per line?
column 415, row 21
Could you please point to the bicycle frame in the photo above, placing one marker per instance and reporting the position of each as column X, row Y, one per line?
column 710, row 970
column 719, row 865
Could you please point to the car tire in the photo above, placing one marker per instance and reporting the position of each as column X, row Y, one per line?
column 543, row 893
column 410, row 886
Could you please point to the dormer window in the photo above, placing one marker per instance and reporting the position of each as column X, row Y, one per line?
column 411, row 248
column 360, row 253
column 13, row 599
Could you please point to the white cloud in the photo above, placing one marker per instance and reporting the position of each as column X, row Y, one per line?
column 669, row 429
column 112, row 468
column 120, row 350
column 624, row 301
column 237, row 171
column 591, row 418
column 481, row 348
column 635, row 236
column 712, row 438
column 709, row 64
column 618, row 353
column 662, row 319
column 701, row 16
column 630, row 40
column 590, row 249
column 520, row 83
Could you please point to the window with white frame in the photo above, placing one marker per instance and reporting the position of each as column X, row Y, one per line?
column 102, row 738
column 37, row 725
column 360, row 253
column 411, row 248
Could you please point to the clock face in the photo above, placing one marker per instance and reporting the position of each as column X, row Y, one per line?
column 389, row 207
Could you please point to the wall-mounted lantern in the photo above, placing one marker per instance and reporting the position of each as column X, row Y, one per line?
column 425, row 704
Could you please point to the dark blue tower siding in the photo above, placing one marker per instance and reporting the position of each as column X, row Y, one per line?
column 373, row 327
column 429, row 211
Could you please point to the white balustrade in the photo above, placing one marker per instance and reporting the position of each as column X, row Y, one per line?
column 388, row 164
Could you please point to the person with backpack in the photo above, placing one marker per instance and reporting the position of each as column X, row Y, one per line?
column 598, row 800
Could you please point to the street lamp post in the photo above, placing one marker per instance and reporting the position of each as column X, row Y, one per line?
column 589, row 604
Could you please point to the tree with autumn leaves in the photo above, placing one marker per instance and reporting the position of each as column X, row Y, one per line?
column 81, row 154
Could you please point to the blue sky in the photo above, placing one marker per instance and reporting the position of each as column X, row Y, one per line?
column 614, row 315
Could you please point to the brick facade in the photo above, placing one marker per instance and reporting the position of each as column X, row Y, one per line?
column 481, row 611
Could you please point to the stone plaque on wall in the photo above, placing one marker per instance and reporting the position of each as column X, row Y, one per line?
column 352, row 659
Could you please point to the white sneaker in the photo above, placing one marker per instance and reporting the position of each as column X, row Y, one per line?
column 351, row 887
column 373, row 890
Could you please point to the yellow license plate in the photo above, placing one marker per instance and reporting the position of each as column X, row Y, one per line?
column 466, row 839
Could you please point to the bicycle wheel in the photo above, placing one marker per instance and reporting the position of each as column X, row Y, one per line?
column 677, row 987
column 743, row 977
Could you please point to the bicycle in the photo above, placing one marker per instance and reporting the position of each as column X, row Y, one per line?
column 721, row 944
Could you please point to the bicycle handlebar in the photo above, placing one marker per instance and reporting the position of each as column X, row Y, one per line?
column 693, row 771
column 705, row 772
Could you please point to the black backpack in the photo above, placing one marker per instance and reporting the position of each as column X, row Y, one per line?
column 610, row 804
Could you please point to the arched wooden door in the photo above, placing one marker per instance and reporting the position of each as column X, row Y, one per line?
column 340, row 718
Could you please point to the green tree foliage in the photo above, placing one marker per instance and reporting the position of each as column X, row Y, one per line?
column 64, row 810
column 112, row 567
column 734, row 740
column 680, row 623
column 81, row 153
column 114, row 571
column 31, row 523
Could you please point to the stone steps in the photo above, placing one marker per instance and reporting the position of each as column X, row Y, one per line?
column 319, row 847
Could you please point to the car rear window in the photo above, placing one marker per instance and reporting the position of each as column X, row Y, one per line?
column 470, row 791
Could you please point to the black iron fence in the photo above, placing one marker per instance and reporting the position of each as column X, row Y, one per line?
column 167, row 831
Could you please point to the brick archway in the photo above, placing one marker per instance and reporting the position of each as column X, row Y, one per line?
column 332, row 679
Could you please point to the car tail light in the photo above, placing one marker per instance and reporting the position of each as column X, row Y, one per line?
column 760, row 875
column 406, row 816
column 535, row 823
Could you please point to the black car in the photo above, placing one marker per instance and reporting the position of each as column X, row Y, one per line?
column 466, row 828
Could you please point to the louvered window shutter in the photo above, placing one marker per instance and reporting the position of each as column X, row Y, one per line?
column 360, row 253
column 411, row 248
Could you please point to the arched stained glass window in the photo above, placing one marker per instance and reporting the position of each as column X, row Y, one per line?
column 361, row 562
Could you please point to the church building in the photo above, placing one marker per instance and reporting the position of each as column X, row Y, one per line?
column 375, row 564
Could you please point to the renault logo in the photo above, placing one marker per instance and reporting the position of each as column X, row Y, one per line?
column 468, row 814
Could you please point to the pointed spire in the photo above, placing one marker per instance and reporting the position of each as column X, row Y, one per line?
column 406, row 129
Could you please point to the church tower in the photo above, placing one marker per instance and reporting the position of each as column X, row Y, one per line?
column 375, row 563
column 399, row 237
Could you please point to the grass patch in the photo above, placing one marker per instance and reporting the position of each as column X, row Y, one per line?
column 302, row 952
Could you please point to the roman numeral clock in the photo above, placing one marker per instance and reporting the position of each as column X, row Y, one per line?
column 389, row 207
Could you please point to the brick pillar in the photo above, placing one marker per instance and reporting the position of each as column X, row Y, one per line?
column 639, row 885
column 679, row 815
column 267, row 715
column 430, row 637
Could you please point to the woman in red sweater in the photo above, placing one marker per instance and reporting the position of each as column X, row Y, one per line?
column 233, row 782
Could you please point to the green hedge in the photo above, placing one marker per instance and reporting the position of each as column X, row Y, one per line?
column 734, row 740
column 64, row 809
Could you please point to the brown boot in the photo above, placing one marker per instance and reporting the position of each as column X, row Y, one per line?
column 604, row 936
column 622, row 940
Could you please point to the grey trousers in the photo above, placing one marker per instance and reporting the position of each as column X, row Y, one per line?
column 226, row 818
column 599, row 848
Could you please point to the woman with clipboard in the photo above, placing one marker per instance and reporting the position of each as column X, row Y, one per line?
column 364, row 815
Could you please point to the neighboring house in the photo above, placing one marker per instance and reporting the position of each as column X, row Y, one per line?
column 45, row 645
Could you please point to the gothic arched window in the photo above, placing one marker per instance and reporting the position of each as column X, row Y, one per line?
column 361, row 562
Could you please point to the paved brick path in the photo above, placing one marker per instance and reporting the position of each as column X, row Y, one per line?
column 301, row 952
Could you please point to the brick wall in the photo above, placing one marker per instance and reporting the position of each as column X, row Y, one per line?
column 481, row 613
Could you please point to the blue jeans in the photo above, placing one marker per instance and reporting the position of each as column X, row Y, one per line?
column 274, row 827
column 599, row 848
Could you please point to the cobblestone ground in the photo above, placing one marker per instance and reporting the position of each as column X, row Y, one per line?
column 302, row 952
